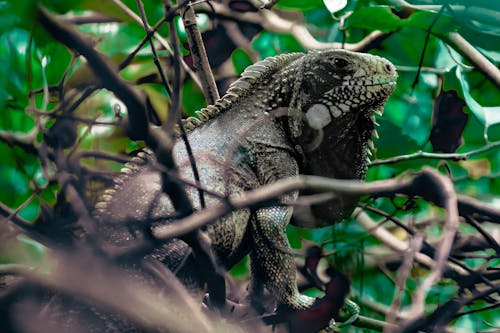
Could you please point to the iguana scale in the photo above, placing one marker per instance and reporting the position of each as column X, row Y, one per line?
column 292, row 114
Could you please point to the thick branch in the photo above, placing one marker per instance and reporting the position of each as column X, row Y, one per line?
column 416, row 186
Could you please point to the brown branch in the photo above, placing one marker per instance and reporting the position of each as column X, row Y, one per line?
column 138, row 129
column 440, row 190
column 401, row 278
column 174, row 116
column 162, row 144
column 480, row 211
column 199, row 54
column 437, row 156
column 158, row 37
column 149, row 32
column 24, row 141
column 445, row 313
column 272, row 22
column 392, row 242
column 137, row 125
column 463, row 47
column 98, row 282
column 12, row 216
column 91, row 18
column 455, row 40
column 411, row 187
column 268, row 192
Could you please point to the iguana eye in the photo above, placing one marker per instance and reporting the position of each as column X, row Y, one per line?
column 340, row 63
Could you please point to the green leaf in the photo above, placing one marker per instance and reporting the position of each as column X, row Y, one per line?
column 374, row 18
column 61, row 6
column 12, row 67
column 269, row 44
column 334, row 6
column 31, row 211
column 424, row 19
column 299, row 4
column 241, row 60
column 240, row 270
column 479, row 20
column 382, row 18
column 392, row 142
column 488, row 116
column 19, row 13
column 192, row 98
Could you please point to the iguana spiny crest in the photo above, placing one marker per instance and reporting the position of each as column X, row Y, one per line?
column 298, row 113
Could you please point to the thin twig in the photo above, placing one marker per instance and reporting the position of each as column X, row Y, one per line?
column 437, row 156
column 460, row 44
column 396, row 244
column 174, row 116
column 402, row 275
column 444, row 195
column 426, row 42
column 160, row 39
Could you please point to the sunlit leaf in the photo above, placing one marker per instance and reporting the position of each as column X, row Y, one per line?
column 334, row 6
column 487, row 115
column 476, row 168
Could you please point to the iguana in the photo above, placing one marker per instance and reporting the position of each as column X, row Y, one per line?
column 298, row 113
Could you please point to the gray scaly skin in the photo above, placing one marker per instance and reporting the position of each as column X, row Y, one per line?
column 292, row 114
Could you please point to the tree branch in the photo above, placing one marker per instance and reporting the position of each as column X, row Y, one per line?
column 137, row 125
column 272, row 22
column 437, row 156
column 200, row 59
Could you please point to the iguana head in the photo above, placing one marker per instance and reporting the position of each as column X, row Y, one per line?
column 337, row 95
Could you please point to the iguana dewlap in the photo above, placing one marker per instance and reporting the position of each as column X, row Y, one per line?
column 292, row 114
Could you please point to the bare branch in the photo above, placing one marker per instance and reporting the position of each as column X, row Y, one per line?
column 96, row 281
column 485, row 66
column 437, row 156
column 272, row 22
column 158, row 37
column 396, row 244
column 199, row 55
column 402, row 276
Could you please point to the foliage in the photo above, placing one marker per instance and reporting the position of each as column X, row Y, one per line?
column 443, row 106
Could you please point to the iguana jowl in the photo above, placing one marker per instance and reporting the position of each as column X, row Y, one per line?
column 292, row 114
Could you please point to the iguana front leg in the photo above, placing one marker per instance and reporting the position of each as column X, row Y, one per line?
column 272, row 261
